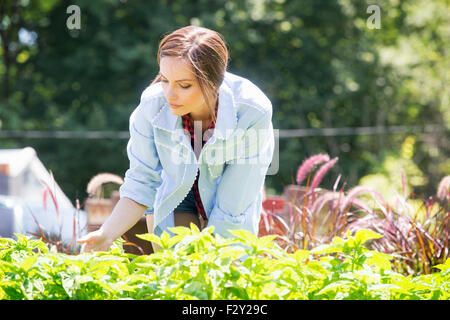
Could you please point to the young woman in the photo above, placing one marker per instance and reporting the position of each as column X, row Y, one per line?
column 201, row 142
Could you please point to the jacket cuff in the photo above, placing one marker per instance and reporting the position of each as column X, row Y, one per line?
column 224, row 221
column 136, row 192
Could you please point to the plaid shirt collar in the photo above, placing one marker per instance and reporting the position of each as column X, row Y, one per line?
column 188, row 126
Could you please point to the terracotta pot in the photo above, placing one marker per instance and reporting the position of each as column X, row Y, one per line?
column 140, row 246
column 276, row 204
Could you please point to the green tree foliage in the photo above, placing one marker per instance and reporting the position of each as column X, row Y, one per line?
column 318, row 62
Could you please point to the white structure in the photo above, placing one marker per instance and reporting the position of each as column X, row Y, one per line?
column 23, row 180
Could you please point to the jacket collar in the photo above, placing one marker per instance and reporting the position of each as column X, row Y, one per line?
column 226, row 115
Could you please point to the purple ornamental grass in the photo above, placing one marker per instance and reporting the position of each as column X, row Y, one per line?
column 323, row 199
column 45, row 236
column 416, row 241
column 297, row 230
column 48, row 191
column 415, row 245
column 337, row 182
column 358, row 190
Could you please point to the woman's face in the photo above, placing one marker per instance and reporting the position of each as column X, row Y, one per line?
column 181, row 88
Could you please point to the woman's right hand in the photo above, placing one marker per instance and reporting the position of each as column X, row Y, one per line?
column 95, row 241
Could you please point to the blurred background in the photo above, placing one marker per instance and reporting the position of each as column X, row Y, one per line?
column 374, row 95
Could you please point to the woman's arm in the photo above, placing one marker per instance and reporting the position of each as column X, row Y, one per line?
column 141, row 180
column 125, row 215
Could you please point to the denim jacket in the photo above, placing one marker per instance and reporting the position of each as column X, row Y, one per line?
column 233, row 162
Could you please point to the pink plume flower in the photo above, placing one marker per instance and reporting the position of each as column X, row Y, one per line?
column 321, row 173
column 443, row 190
column 308, row 165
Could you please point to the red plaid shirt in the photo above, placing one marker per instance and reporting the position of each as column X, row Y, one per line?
column 188, row 126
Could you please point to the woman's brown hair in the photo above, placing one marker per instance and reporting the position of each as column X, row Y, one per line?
column 207, row 52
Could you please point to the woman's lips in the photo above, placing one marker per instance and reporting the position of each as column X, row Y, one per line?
column 174, row 106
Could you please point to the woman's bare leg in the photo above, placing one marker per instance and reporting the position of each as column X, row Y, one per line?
column 149, row 219
column 184, row 219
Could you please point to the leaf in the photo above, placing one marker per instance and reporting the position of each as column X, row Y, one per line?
column 239, row 292
column 9, row 267
column 363, row 235
column 316, row 269
column 326, row 249
column 117, row 246
column 68, row 285
column 6, row 242
column 266, row 240
column 387, row 287
column 196, row 289
column 194, row 228
column 28, row 263
column 182, row 231
column 174, row 240
column 232, row 252
column 338, row 241
column 336, row 286
column 209, row 230
column 139, row 261
column 164, row 238
column 445, row 266
column 5, row 253
column 245, row 235
column 301, row 255
column 248, row 263
column 150, row 237
column 380, row 260
column 234, row 273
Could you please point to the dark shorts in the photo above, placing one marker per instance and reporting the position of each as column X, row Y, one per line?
column 188, row 204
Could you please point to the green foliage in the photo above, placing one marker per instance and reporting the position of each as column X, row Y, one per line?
column 386, row 175
column 200, row 265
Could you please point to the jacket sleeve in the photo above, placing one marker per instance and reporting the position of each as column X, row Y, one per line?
column 143, row 176
column 243, row 179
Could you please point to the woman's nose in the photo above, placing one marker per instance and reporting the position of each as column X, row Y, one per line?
column 170, row 95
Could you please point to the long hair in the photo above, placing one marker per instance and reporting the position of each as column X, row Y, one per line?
column 206, row 51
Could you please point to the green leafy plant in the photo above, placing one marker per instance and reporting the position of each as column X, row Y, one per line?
column 196, row 264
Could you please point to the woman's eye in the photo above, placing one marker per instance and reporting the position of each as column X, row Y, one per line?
column 184, row 87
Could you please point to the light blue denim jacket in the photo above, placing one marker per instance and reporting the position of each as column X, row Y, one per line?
column 232, row 163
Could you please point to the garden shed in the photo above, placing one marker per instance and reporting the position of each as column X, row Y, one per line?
column 26, row 189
